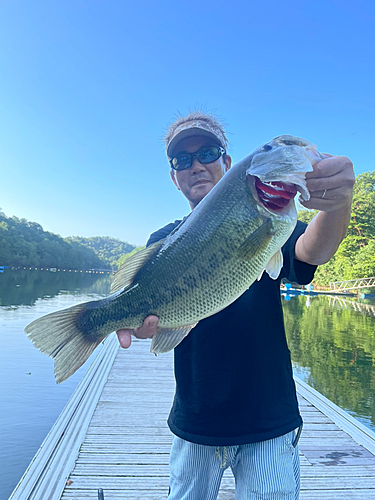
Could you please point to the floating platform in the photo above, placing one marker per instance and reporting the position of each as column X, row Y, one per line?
column 113, row 435
column 301, row 291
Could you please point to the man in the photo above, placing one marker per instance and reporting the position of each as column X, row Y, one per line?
column 235, row 403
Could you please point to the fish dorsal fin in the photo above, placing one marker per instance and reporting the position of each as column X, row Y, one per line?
column 275, row 264
column 257, row 241
column 125, row 275
column 166, row 339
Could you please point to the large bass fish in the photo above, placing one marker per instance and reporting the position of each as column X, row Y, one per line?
column 232, row 236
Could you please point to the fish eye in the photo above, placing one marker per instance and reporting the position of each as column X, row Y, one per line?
column 267, row 147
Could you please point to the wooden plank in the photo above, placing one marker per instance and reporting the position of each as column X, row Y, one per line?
column 342, row 483
column 341, row 463
column 349, row 471
column 160, row 494
column 322, row 449
column 129, row 468
column 115, row 470
column 97, row 432
column 149, row 482
column 145, row 427
column 124, row 458
column 152, row 494
column 135, row 438
column 123, row 483
column 114, row 448
column 357, row 494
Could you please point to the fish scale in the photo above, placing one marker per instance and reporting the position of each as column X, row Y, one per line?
column 204, row 265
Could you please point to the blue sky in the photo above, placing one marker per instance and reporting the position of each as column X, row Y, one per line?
column 88, row 88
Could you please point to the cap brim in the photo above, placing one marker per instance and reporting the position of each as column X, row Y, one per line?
column 190, row 132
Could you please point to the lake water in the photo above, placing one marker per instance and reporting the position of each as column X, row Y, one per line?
column 332, row 343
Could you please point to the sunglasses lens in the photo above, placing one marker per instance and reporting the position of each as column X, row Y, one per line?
column 208, row 155
column 180, row 162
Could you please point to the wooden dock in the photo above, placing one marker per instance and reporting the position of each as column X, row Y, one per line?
column 126, row 447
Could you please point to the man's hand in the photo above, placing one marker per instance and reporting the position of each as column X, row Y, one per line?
column 331, row 189
column 146, row 331
column 330, row 184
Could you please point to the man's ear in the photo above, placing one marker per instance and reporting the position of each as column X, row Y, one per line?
column 228, row 162
column 173, row 177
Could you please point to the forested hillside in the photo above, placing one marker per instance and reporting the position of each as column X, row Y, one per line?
column 25, row 243
column 109, row 250
column 355, row 257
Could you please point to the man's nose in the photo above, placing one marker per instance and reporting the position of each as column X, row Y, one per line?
column 197, row 166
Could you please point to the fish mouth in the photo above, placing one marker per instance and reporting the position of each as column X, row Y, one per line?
column 275, row 195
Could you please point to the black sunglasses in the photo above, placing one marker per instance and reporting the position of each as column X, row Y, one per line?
column 204, row 155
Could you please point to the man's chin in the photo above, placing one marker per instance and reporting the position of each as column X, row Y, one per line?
column 201, row 189
column 196, row 194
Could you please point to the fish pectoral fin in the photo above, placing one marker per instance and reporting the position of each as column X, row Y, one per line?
column 260, row 276
column 275, row 264
column 166, row 339
column 125, row 275
column 257, row 241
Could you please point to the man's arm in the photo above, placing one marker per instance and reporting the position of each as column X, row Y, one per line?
column 331, row 189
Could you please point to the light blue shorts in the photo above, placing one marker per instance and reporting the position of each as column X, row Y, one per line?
column 268, row 470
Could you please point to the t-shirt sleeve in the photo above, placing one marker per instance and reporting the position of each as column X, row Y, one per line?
column 162, row 233
column 294, row 270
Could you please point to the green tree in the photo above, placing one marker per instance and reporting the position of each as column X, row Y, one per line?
column 109, row 250
column 355, row 257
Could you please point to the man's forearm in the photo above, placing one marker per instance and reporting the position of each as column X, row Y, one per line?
column 323, row 236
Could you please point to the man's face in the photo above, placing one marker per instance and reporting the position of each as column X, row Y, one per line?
column 198, row 180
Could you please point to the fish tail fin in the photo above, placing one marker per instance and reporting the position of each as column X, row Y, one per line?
column 59, row 336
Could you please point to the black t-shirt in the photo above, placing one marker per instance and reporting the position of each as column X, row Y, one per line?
column 234, row 381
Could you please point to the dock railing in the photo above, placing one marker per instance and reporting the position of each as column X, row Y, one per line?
column 342, row 286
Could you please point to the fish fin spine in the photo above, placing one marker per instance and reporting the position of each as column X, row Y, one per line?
column 125, row 275
column 166, row 339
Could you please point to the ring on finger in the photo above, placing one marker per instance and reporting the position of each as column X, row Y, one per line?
column 324, row 193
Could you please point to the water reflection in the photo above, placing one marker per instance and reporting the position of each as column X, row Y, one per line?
column 362, row 306
column 25, row 287
column 332, row 342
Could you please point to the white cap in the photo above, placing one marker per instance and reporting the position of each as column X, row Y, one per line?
column 195, row 127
